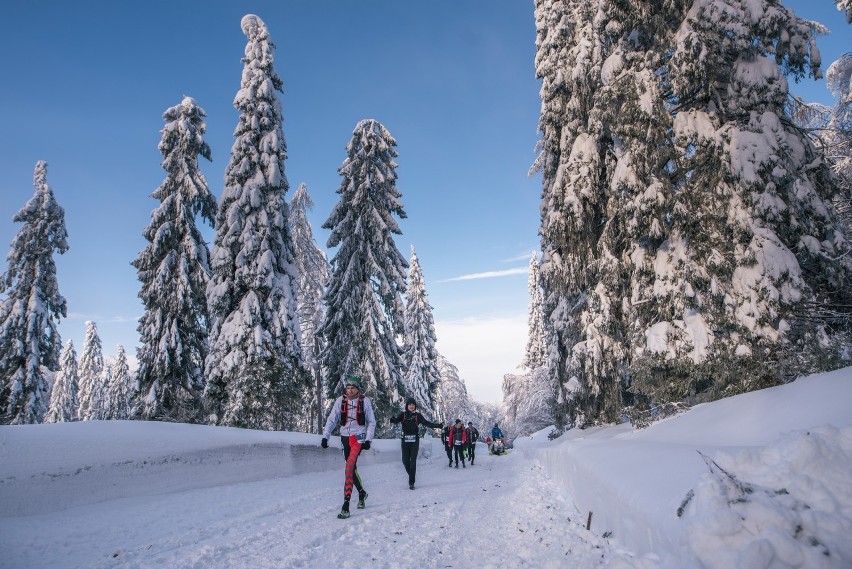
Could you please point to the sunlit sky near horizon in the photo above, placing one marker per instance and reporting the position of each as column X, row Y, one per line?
column 86, row 84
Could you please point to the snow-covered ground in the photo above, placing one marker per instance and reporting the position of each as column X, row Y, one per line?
column 789, row 449
column 137, row 494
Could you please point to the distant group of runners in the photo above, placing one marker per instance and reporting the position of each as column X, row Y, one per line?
column 460, row 442
column 353, row 413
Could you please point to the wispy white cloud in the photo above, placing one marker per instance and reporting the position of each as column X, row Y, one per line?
column 98, row 319
column 122, row 319
column 490, row 274
column 520, row 257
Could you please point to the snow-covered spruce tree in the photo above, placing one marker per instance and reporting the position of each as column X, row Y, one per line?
column 63, row 396
column 831, row 129
column 526, row 402
column 173, row 270
column 364, row 308
column 421, row 376
column 638, row 174
column 837, row 137
column 845, row 6
column 581, row 273
column 107, row 411
column 313, row 270
column 90, row 370
column 527, row 398
column 254, row 370
column 451, row 398
column 536, row 352
column 118, row 387
column 753, row 252
column 29, row 314
column 713, row 237
column 513, row 397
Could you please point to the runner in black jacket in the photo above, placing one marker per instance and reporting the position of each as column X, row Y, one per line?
column 411, row 420
column 445, row 438
column 472, row 437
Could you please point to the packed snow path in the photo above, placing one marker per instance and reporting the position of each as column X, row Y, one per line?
column 501, row 512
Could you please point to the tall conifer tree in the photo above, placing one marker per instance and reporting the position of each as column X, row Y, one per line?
column 117, row 399
column 451, row 398
column 173, row 269
column 364, row 297
column 32, row 308
column 421, row 376
column 91, row 369
column 837, row 137
column 687, row 234
column 754, row 245
column 254, row 370
column 536, row 352
column 527, row 398
column 63, row 396
column 313, row 270
column 576, row 149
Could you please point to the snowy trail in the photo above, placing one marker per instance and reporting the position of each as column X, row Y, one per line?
column 145, row 494
column 501, row 512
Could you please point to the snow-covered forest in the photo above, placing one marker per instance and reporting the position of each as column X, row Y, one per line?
column 692, row 292
column 258, row 328
column 694, row 245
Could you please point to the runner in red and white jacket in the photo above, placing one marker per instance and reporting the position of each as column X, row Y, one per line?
column 353, row 413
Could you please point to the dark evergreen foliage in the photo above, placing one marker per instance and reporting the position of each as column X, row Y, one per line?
column 421, row 376
column 32, row 307
column 364, row 309
column 254, row 370
column 689, row 245
column 173, row 269
column 313, row 270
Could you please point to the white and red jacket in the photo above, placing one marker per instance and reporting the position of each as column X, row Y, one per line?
column 349, row 424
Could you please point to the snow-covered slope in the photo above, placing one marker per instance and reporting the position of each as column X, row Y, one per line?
column 796, row 437
column 143, row 494
column 166, row 495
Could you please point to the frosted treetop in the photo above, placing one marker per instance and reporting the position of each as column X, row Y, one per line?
column 253, row 26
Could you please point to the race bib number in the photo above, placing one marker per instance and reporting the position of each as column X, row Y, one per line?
column 410, row 438
column 361, row 437
column 457, row 443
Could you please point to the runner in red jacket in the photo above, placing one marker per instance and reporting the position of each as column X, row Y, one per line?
column 458, row 441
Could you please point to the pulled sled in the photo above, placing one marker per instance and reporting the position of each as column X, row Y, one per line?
column 497, row 446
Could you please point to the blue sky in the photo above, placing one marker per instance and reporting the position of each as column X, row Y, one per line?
column 86, row 83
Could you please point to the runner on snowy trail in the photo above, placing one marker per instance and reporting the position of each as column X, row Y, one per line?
column 458, row 441
column 445, row 438
column 353, row 412
column 472, row 437
column 411, row 420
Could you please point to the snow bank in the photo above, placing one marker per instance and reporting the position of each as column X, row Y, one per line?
column 52, row 467
column 791, row 445
column 789, row 505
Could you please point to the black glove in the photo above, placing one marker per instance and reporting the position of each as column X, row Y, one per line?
column 366, row 445
column 324, row 443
